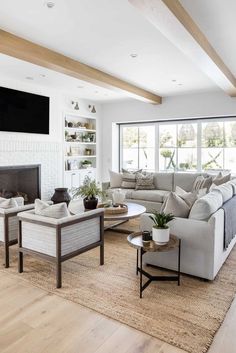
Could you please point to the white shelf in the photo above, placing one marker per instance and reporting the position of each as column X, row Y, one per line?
column 76, row 156
column 78, row 170
column 79, row 129
column 78, row 115
column 80, row 143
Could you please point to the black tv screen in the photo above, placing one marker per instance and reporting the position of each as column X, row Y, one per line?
column 23, row 112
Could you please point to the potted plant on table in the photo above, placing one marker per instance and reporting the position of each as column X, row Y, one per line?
column 160, row 229
column 89, row 191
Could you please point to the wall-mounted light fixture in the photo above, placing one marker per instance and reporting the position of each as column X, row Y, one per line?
column 92, row 108
column 75, row 105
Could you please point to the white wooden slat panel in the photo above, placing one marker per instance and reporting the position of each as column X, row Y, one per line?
column 79, row 235
column 39, row 238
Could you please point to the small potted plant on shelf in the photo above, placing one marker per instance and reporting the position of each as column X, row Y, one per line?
column 89, row 191
column 86, row 164
column 160, row 229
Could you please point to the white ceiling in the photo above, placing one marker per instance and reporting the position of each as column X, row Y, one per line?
column 103, row 34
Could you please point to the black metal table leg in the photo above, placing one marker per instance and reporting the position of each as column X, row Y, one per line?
column 141, row 272
column 179, row 262
column 137, row 264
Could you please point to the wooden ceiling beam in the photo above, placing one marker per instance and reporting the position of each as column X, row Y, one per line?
column 36, row 54
column 174, row 22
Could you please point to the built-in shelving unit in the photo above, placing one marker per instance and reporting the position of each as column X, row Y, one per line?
column 80, row 147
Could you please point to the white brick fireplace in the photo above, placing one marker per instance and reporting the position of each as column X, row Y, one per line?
column 47, row 154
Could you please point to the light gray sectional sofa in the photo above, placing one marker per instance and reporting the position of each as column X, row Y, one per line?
column 164, row 183
column 202, row 233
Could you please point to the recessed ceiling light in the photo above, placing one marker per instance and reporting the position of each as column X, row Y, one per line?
column 180, row 84
column 133, row 55
column 50, row 4
column 173, row 80
column 29, row 78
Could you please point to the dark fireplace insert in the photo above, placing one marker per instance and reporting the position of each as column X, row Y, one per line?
column 22, row 181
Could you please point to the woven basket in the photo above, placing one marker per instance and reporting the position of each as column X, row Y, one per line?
column 122, row 208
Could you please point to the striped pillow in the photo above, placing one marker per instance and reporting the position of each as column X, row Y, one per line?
column 57, row 211
column 128, row 181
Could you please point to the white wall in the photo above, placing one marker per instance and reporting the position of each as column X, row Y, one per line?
column 194, row 105
column 47, row 150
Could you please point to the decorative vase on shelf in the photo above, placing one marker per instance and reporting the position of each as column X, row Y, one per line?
column 161, row 236
column 118, row 197
column 61, row 195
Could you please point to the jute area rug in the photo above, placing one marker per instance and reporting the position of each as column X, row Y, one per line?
column 187, row 316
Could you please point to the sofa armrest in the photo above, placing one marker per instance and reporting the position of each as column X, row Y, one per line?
column 30, row 216
column 15, row 210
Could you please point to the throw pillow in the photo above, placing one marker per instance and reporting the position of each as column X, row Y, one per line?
column 190, row 197
column 144, row 182
column 131, row 171
column 226, row 191
column 128, row 181
column 57, row 211
column 197, row 183
column 222, row 180
column 115, row 179
column 206, row 205
column 176, row 205
column 8, row 203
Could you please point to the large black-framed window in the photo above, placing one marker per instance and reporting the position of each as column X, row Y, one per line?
column 179, row 145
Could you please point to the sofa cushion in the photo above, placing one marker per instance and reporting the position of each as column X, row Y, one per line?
column 175, row 205
column 204, row 207
column 57, row 211
column 148, row 195
column 115, row 179
column 226, row 191
column 185, row 180
column 190, row 197
column 8, row 203
column 163, row 181
column 144, row 182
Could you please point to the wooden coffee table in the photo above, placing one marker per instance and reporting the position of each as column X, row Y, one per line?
column 115, row 220
column 134, row 211
column 135, row 240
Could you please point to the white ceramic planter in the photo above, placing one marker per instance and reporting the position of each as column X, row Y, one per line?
column 160, row 236
column 118, row 196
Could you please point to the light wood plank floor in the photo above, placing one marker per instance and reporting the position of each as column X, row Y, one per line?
column 34, row 321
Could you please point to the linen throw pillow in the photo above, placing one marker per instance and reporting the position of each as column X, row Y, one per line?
column 145, row 182
column 222, row 179
column 190, row 197
column 176, row 205
column 8, row 203
column 202, row 183
column 57, row 211
column 128, row 181
column 115, row 179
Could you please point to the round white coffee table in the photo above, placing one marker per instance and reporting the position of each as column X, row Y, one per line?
column 134, row 211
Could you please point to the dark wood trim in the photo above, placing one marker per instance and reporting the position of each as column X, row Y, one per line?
column 58, row 257
column 37, row 254
column 20, row 254
column 6, row 241
column 80, row 251
column 102, row 239
column 45, row 223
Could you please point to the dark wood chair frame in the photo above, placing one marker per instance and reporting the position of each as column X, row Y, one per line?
column 7, row 243
column 59, row 259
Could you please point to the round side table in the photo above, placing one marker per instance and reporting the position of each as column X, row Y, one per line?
column 135, row 240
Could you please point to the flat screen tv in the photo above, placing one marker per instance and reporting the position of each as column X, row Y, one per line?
column 23, row 112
